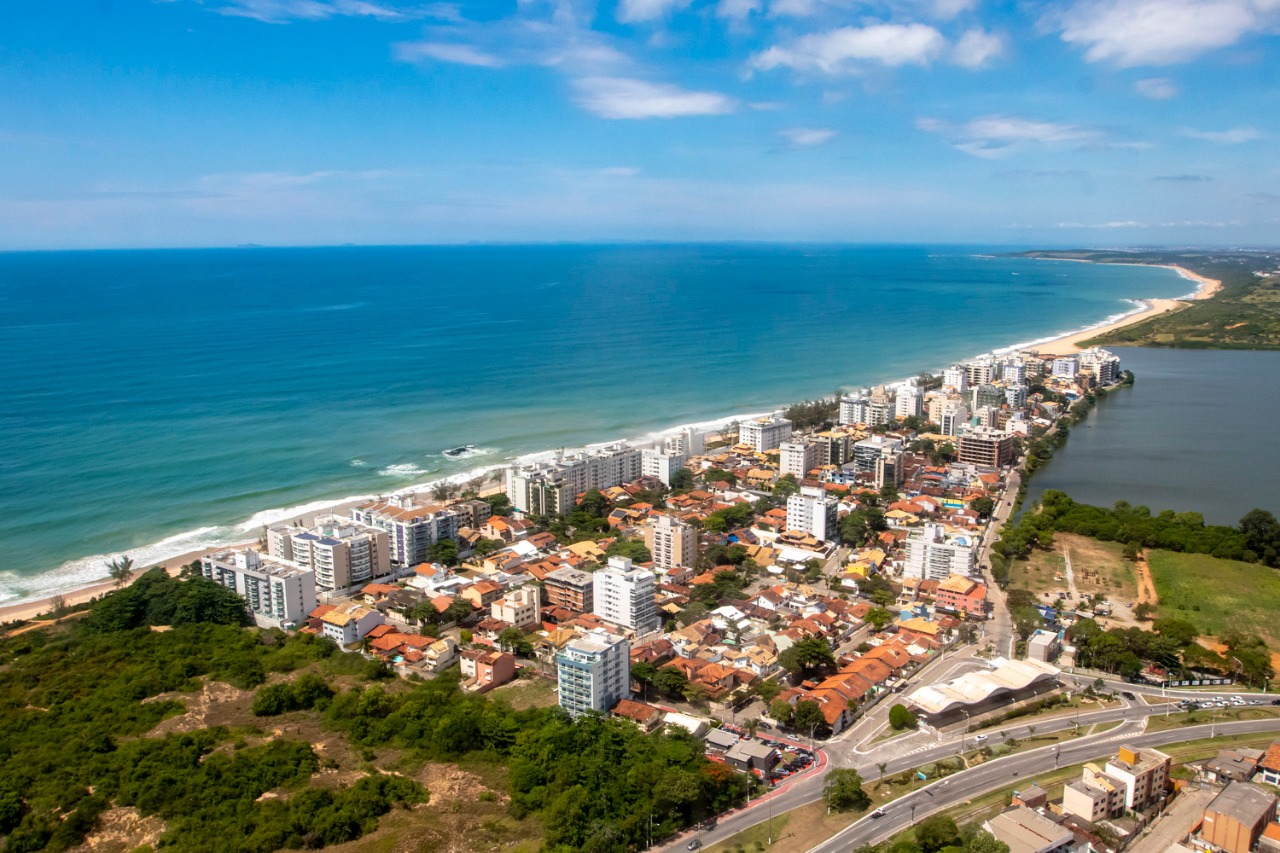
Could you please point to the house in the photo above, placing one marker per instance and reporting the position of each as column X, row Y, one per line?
column 440, row 655
column 1269, row 766
column 348, row 624
column 481, row 594
column 487, row 669
column 1233, row 765
column 962, row 594
column 752, row 755
column 645, row 716
column 518, row 608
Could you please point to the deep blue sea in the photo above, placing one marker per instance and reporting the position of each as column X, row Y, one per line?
column 153, row 402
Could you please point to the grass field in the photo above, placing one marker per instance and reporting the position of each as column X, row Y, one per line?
column 1218, row 595
column 1097, row 567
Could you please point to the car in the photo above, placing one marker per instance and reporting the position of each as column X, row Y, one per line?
column 1126, row 694
column 878, row 813
column 1275, row 701
column 695, row 844
column 1255, row 701
column 979, row 738
column 793, row 737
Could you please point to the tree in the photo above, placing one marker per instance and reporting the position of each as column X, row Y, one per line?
column 843, row 792
column 1144, row 611
column 670, row 681
column 978, row 840
column 512, row 640
column 808, row 656
column 444, row 552
column 769, row 690
column 58, row 606
column 785, row 487
column 716, row 475
column 808, row 716
column 781, row 710
column 901, row 718
column 499, row 503
column 682, row 479
column 1262, row 536
column 983, row 506
column 881, row 767
column 485, row 547
column 936, row 832
column 878, row 617
column 120, row 569
column 594, row 504
column 632, row 549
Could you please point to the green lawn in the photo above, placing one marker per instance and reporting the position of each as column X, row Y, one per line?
column 1218, row 595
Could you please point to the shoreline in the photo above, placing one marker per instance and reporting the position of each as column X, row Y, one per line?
column 79, row 590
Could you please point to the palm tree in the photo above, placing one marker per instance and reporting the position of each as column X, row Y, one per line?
column 882, row 766
column 120, row 569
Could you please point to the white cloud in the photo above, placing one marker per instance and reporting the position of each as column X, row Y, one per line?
column 461, row 54
column 808, row 137
column 1235, row 136
column 997, row 135
column 976, row 48
column 640, row 11
column 947, row 9
column 842, row 50
column 1158, row 32
column 282, row 11
column 623, row 98
column 1156, row 88
column 738, row 10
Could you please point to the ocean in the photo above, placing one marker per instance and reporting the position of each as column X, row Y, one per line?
column 155, row 402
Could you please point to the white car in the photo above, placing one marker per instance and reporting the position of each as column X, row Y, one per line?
column 979, row 738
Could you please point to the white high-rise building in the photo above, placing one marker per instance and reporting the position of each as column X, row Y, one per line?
column 276, row 593
column 797, row 458
column 593, row 672
column 1066, row 367
column 1016, row 396
column 956, row 377
column 1015, row 372
column 549, row 488
column 908, row 402
column 344, row 554
column 855, row 409
column 1104, row 364
column 656, row 462
column 813, row 511
column 687, row 442
column 764, row 433
column 412, row 527
column 955, row 414
column 980, row 372
column 671, row 542
column 624, row 595
column 867, row 451
column 932, row 556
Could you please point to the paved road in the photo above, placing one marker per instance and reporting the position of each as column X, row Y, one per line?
column 999, row 628
column 956, row 789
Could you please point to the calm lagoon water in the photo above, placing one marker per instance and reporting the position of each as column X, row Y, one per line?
column 159, row 401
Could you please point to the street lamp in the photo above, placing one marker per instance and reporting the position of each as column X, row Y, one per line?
column 964, row 731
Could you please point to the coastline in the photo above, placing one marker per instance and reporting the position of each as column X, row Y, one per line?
column 189, row 546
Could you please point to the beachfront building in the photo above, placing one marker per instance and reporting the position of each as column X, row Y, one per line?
column 813, row 511
column 342, row 553
column 624, row 595
column 571, row 589
column 765, row 433
column 550, row 488
column 593, row 672
column 932, row 555
column 277, row 594
column 956, row 378
column 909, row 401
column 1066, row 367
column 980, row 372
column 986, row 447
column 855, row 409
column 797, row 458
column 412, row 527
column 1104, row 365
column 672, row 542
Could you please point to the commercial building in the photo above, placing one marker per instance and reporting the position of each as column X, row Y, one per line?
column 519, row 608
column 342, row 553
column 1144, row 774
column 932, row 555
column 985, row 447
column 975, row 688
column 1042, row 645
column 624, row 595
column 813, row 511
column 671, row 542
column 765, row 433
column 411, row 526
column 571, row 589
column 797, row 458
column 594, row 672
column 277, row 594
column 1027, row 831
column 1236, row 818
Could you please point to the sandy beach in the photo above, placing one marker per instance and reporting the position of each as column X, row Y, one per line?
column 1070, row 343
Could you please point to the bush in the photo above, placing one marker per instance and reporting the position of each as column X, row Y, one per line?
column 900, row 718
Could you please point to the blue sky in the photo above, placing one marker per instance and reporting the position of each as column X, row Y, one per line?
column 293, row 122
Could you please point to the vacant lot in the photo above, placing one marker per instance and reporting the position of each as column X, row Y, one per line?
column 1095, row 566
column 1218, row 595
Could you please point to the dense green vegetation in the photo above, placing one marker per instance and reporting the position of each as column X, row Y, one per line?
column 79, row 703
column 1244, row 315
column 1218, row 595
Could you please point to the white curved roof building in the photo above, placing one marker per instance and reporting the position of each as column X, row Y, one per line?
column 1005, row 676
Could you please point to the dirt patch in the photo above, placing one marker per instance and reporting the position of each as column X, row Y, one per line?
column 210, row 707
column 121, row 830
column 1221, row 648
column 1146, row 586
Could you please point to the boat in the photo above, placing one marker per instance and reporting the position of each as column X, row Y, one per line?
column 455, row 452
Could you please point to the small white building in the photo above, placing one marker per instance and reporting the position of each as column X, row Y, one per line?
column 348, row 624
column 519, row 607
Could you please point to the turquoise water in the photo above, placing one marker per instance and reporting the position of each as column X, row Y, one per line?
column 158, row 401
column 1194, row 433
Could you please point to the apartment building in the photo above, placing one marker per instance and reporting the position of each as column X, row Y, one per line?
column 671, row 542
column 1014, row 372
column 932, row 555
column 797, row 458
column 813, row 511
column 955, row 414
column 520, row 608
column 277, row 594
column 890, row 471
column 471, row 513
column 765, row 433
column 962, row 594
column 855, row 409
column 908, row 402
column 956, row 378
column 869, row 450
column 1016, row 395
column 412, row 527
column 550, row 488
column 1144, row 774
column 833, row 448
column 571, row 589
column 624, row 595
column 342, row 553
column 594, row 672
column 1066, row 367
column 1103, row 364
column 986, row 447
column 980, row 372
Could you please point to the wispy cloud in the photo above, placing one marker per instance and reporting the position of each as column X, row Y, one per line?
column 1183, row 179
column 808, row 137
column 997, row 136
column 1234, row 136
column 844, row 50
column 283, row 11
column 1158, row 32
column 641, row 11
column 625, row 98
column 976, row 48
column 461, row 54
column 738, row 10
column 1156, row 88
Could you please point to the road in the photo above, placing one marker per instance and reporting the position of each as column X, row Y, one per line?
column 999, row 628
column 993, row 775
